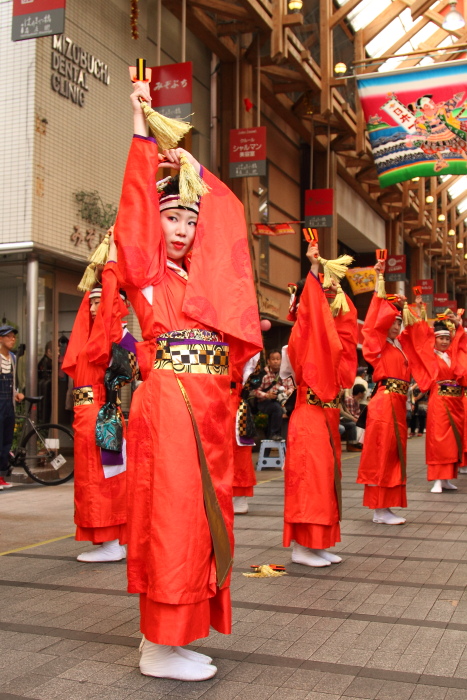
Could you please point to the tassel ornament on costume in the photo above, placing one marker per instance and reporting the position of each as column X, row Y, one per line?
column 167, row 132
column 97, row 258
column 408, row 318
column 265, row 571
column 191, row 185
column 381, row 293
column 340, row 303
column 423, row 314
column 335, row 269
column 89, row 279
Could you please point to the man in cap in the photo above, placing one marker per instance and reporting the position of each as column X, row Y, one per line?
column 8, row 396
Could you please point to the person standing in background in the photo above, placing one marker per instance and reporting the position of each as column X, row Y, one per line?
column 8, row 397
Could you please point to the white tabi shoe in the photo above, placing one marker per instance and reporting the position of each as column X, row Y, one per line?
column 240, row 505
column 108, row 551
column 437, row 486
column 462, row 470
column 448, row 485
column 329, row 556
column 385, row 516
column 303, row 555
column 162, row 661
column 186, row 653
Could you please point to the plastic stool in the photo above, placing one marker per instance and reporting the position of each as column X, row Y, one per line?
column 264, row 458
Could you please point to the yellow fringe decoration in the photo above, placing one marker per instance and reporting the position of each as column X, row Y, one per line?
column 408, row 317
column 265, row 571
column 101, row 254
column 340, row 303
column 335, row 269
column 423, row 314
column 381, row 293
column 167, row 132
column 190, row 184
column 89, row 279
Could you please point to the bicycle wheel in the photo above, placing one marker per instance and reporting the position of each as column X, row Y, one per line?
column 47, row 454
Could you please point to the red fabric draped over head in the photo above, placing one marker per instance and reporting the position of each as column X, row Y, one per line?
column 79, row 336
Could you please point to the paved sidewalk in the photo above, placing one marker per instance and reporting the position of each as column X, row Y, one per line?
column 390, row 622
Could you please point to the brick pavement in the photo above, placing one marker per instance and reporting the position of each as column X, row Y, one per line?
column 390, row 622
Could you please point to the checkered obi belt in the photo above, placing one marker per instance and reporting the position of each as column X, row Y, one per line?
column 87, row 395
column 192, row 351
column 450, row 388
column 392, row 385
column 314, row 401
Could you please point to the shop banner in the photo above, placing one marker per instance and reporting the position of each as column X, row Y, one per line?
column 439, row 301
column 35, row 18
column 428, row 287
column 319, row 208
column 284, row 229
column 171, row 90
column 361, row 279
column 395, row 268
column 247, row 152
column 417, row 121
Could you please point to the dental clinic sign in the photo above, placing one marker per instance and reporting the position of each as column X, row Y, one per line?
column 73, row 68
column 35, row 18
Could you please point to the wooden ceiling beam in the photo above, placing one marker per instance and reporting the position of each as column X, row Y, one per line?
column 383, row 19
column 206, row 30
column 260, row 11
column 280, row 72
column 232, row 28
column 342, row 12
column 289, row 87
column 222, row 8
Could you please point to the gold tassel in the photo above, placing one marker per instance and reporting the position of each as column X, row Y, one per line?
column 408, row 317
column 167, row 132
column 265, row 571
column 101, row 254
column 423, row 314
column 190, row 184
column 89, row 279
column 381, row 287
column 340, row 303
column 335, row 269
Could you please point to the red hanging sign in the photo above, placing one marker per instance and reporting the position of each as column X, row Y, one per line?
column 171, row 89
column 247, row 152
column 440, row 300
column 395, row 268
column 36, row 18
column 319, row 208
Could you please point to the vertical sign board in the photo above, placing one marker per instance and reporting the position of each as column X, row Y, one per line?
column 427, row 290
column 319, row 205
column 35, row 18
column 247, row 152
column 439, row 302
column 452, row 305
column 395, row 268
column 171, row 89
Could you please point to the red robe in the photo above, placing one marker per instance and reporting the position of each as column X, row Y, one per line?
column 100, row 503
column 170, row 553
column 444, row 444
column 382, row 464
column 322, row 351
column 244, row 478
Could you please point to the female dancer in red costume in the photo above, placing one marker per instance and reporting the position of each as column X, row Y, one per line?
column 189, row 280
column 383, row 463
column 322, row 352
column 435, row 363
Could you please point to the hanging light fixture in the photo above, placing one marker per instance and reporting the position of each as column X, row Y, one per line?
column 429, row 199
column 460, row 245
column 415, row 179
column 295, row 5
column 451, row 232
column 465, row 256
column 441, row 217
column 453, row 19
column 340, row 68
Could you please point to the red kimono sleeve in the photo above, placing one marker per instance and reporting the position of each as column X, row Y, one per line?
column 379, row 319
column 141, row 246
column 347, row 329
column 418, row 342
column 79, row 337
column 458, row 352
column 107, row 326
column 315, row 350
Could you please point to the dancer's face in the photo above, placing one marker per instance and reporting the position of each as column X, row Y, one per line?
column 442, row 342
column 395, row 329
column 93, row 306
column 179, row 229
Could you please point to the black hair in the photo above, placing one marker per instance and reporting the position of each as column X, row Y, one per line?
column 440, row 326
column 298, row 293
column 358, row 389
column 273, row 352
column 171, row 186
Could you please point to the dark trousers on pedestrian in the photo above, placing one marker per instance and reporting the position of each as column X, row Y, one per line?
column 7, row 428
column 274, row 412
column 350, row 429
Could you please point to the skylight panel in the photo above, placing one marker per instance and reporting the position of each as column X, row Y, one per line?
column 458, row 187
column 462, row 206
column 366, row 12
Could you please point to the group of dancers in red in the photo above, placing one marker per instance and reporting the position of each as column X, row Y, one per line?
column 164, row 500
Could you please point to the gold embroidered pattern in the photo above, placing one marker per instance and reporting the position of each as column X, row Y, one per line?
column 446, row 389
column 190, row 334
column 396, row 386
column 314, row 401
column 193, row 358
column 135, row 373
column 83, row 395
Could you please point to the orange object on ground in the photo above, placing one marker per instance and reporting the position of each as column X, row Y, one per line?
column 322, row 351
column 383, row 462
column 170, row 549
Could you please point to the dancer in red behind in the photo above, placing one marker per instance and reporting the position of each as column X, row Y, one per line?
column 383, row 463
column 322, row 352
column 187, row 271
column 435, row 363
column 99, row 486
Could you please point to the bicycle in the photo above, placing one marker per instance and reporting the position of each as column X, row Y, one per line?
column 44, row 451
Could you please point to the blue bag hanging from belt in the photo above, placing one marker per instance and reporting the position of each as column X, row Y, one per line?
column 109, row 423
